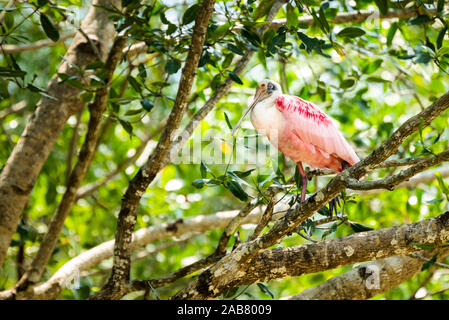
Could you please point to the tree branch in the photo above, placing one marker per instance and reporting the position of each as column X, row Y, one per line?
column 368, row 280
column 390, row 182
column 92, row 257
column 116, row 286
column 24, row 164
column 18, row 48
column 356, row 17
column 298, row 260
column 96, row 108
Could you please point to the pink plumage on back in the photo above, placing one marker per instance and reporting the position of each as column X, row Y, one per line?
column 312, row 136
column 299, row 130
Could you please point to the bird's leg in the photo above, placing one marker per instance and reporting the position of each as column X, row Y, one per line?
column 333, row 205
column 304, row 181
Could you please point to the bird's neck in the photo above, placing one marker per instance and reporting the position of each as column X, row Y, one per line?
column 268, row 102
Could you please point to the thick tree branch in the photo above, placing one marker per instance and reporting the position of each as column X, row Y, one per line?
column 298, row 260
column 96, row 108
column 357, row 17
column 116, row 286
column 92, row 257
column 367, row 280
column 24, row 164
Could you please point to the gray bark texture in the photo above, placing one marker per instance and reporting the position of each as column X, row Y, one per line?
column 367, row 280
column 29, row 155
column 278, row 263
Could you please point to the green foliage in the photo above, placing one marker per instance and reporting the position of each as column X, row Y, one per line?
column 369, row 76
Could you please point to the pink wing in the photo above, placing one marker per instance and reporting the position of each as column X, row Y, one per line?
column 313, row 126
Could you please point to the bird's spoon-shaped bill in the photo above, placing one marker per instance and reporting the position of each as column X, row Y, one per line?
column 256, row 99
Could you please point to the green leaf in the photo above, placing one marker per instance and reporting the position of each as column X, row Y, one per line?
column 324, row 211
column 382, row 5
column 243, row 174
column 441, row 183
column 227, row 121
column 190, row 14
column 7, row 72
column 347, row 83
column 298, row 179
column 133, row 112
column 430, row 263
column 199, row 183
column 230, row 293
column 227, row 61
column 263, row 287
column 172, row 66
column 142, row 71
column 331, row 230
column 237, row 190
column 440, row 38
column 9, row 20
column 292, row 18
column 147, row 104
column 49, row 29
column 234, row 49
column 424, row 246
column 234, row 77
column 237, row 178
column 134, row 83
column 171, row 28
column 127, row 127
column 440, row 5
column 351, row 32
column 27, row 232
column 357, row 227
column 391, row 33
column 163, row 18
column 372, row 66
column 419, row 20
column 323, row 20
column 204, row 169
column 221, row 31
column 95, row 65
column 42, row 3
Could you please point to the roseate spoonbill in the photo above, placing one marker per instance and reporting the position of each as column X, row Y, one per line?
column 300, row 130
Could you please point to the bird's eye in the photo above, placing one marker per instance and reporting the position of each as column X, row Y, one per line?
column 271, row 87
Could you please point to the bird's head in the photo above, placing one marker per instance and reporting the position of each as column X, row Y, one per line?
column 267, row 89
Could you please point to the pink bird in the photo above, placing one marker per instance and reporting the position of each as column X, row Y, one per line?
column 300, row 130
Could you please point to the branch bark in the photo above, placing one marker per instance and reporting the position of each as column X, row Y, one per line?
column 24, row 164
column 390, row 182
column 18, row 48
column 96, row 108
column 92, row 257
column 367, row 280
column 116, row 286
column 211, row 282
column 298, row 260
column 357, row 17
